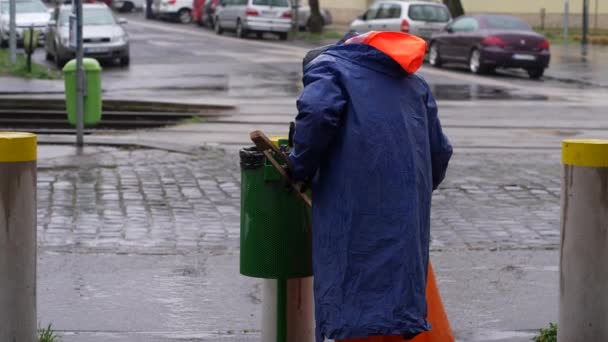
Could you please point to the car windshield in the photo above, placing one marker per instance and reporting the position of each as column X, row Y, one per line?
column 505, row 23
column 24, row 7
column 430, row 13
column 91, row 17
column 278, row 3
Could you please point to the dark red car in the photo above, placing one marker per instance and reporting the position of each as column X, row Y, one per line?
column 487, row 42
column 203, row 12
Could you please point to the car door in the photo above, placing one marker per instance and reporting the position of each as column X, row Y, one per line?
column 453, row 41
column 463, row 38
column 364, row 24
column 388, row 18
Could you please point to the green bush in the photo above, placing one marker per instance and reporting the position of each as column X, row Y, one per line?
column 547, row 335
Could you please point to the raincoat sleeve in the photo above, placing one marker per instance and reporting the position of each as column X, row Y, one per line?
column 320, row 108
column 441, row 149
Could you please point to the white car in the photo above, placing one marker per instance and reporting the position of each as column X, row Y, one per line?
column 254, row 16
column 173, row 9
column 420, row 18
column 30, row 13
column 128, row 5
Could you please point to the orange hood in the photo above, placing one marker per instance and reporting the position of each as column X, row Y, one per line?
column 405, row 49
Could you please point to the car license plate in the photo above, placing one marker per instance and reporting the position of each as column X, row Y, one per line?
column 521, row 57
column 269, row 14
column 95, row 50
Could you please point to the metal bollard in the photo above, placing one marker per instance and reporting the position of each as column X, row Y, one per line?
column 18, row 237
column 583, row 304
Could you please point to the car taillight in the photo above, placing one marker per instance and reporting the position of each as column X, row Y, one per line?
column 172, row 2
column 494, row 41
column 287, row 15
column 252, row 12
column 405, row 26
column 544, row 45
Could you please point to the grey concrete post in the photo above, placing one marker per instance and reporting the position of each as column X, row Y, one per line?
column 583, row 299
column 18, row 237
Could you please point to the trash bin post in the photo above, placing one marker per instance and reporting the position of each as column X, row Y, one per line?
column 18, row 237
column 583, row 304
column 276, row 245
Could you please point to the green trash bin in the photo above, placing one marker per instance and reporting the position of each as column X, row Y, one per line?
column 92, row 100
column 276, row 232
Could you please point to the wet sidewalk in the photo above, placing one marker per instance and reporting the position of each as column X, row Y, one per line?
column 568, row 65
column 142, row 245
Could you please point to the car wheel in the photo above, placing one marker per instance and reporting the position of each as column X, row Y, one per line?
column 536, row 73
column 59, row 62
column 125, row 61
column 218, row 26
column 434, row 56
column 259, row 35
column 476, row 62
column 283, row 36
column 127, row 7
column 240, row 31
column 3, row 42
column 185, row 16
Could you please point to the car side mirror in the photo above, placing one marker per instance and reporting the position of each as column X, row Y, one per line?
column 363, row 16
column 122, row 21
column 449, row 29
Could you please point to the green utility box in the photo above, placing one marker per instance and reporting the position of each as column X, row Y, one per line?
column 276, row 232
column 92, row 99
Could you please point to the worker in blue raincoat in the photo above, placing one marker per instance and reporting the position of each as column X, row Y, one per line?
column 368, row 138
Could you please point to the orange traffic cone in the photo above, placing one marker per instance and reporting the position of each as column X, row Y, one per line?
column 441, row 332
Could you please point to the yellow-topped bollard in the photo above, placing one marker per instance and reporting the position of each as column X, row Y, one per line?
column 583, row 303
column 18, row 237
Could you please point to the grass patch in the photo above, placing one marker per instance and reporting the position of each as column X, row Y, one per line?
column 547, row 335
column 48, row 335
column 327, row 35
column 20, row 69
column 192, row 120
column 575, row 35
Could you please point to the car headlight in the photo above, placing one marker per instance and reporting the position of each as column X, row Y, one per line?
column 120, row 38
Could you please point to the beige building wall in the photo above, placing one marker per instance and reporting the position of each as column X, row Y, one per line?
column 345, row 11
column 530, row 10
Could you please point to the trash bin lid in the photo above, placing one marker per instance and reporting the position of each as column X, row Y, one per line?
column 88, row 64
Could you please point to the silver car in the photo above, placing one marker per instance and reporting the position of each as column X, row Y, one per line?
column 103, row 36
column 30, row 13
column 420, row 18
column 254, row 16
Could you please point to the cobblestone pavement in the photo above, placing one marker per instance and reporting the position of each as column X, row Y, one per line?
column 151, row 201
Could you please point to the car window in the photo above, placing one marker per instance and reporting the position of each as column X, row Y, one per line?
column 430, row 13
column 372, row 12
column 90, row 17
column 505, row 23
column 278, row 3
column 389, row 11
column 24, row 7
column 465, row 25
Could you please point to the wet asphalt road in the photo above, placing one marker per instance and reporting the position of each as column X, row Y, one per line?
column 160, row 261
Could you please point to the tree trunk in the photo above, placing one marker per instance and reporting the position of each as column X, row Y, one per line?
column 315, row 24
column 455, row 7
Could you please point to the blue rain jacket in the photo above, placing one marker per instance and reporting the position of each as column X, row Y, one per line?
column 368, row 137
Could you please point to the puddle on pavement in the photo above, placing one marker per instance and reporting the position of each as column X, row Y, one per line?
column 468, row 92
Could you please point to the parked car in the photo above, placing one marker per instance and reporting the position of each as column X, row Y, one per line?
column 420, row 18
column 173, row 9
column 104, row 37
column 128, row 5
column 254, row 16
column 29, row 13
column 487, row 42
column 304, row 15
